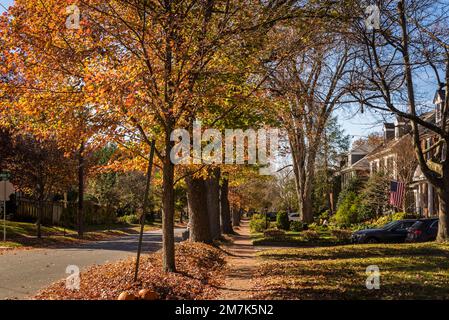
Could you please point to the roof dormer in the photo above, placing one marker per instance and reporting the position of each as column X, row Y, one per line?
column 389, row 131
column 438, row 101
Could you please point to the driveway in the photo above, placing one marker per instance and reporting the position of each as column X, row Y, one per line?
column 23, row 273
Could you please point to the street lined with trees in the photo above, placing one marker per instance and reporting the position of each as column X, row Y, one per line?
column 93, row 95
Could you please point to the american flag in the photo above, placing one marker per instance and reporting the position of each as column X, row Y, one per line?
column 397, row 191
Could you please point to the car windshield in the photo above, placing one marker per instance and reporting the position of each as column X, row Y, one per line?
column 389, row 225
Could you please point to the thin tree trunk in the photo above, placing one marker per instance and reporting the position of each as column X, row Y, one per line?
column 199, row 219
column 226, row 224
column 213, row 202
column 144, row 206
column 81, row 163
column 39, row 218
column 168, row 203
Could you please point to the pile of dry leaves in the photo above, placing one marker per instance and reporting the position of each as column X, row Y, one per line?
column 199, row 270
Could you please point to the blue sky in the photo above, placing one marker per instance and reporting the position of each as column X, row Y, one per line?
column 5, row 3
column 355, row 125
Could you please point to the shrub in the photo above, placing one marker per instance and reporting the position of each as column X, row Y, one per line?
column 342, row 235
column 374, row 196
column 313, row 226
column 353, row 187
column 347, row 212
column 257, row 223
column 362, row 226
column 382, row 220
column 325, row 215
column 404, row 215
column 311, row 235
column 317, row 227
column 274, row 233
column 393, row 217
column 129, row 219
column 282, row 221
column 297, row 226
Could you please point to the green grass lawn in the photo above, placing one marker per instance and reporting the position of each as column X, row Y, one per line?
column 23, row 234
column 299, row 239
column 407, row 271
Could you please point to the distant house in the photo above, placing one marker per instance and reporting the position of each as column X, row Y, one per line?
column 384, row 157
column 420, row 196
column 395, row 157
column 354, row 164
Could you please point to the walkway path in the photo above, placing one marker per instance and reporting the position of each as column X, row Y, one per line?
column 242, row 264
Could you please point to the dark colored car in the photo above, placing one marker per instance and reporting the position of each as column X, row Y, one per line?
column 395, row 231
column 423, row 230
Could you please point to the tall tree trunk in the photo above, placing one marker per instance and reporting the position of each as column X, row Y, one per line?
column 235, row 217
column 168, row 214
column 443, row 223
column 307, row 207
column 304, row 170
column 199, row 219
column 439, row 183
column 443, row 197
column 213, row 202
column 81, row 164
column 226, row 224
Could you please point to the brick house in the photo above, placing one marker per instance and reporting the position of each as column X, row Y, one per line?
column 426, row 200
column 392, row 158
column 395, row 157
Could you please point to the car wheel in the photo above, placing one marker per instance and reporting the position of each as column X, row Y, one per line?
column 371, row 240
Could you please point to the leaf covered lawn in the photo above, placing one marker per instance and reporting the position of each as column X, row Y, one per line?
column 407, row 271
column 199, row 271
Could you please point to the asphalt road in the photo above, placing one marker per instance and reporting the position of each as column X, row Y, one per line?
column 23, row 273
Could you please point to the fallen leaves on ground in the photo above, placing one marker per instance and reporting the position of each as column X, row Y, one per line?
column 22, row 235
column 199, row 271
column 407, row 271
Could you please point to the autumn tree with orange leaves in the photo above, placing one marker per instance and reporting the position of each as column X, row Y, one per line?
column 133, row 72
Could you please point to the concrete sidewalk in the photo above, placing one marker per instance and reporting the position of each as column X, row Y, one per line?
column 242, row 264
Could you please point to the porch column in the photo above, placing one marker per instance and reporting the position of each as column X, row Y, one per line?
column 416, row 195
column 420, row 199
column 430, row 199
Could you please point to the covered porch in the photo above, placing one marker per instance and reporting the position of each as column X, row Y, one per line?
column 426, row 199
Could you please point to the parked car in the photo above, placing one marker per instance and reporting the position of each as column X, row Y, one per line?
column 293, row 216
column 395, row 231
column 423, row 230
